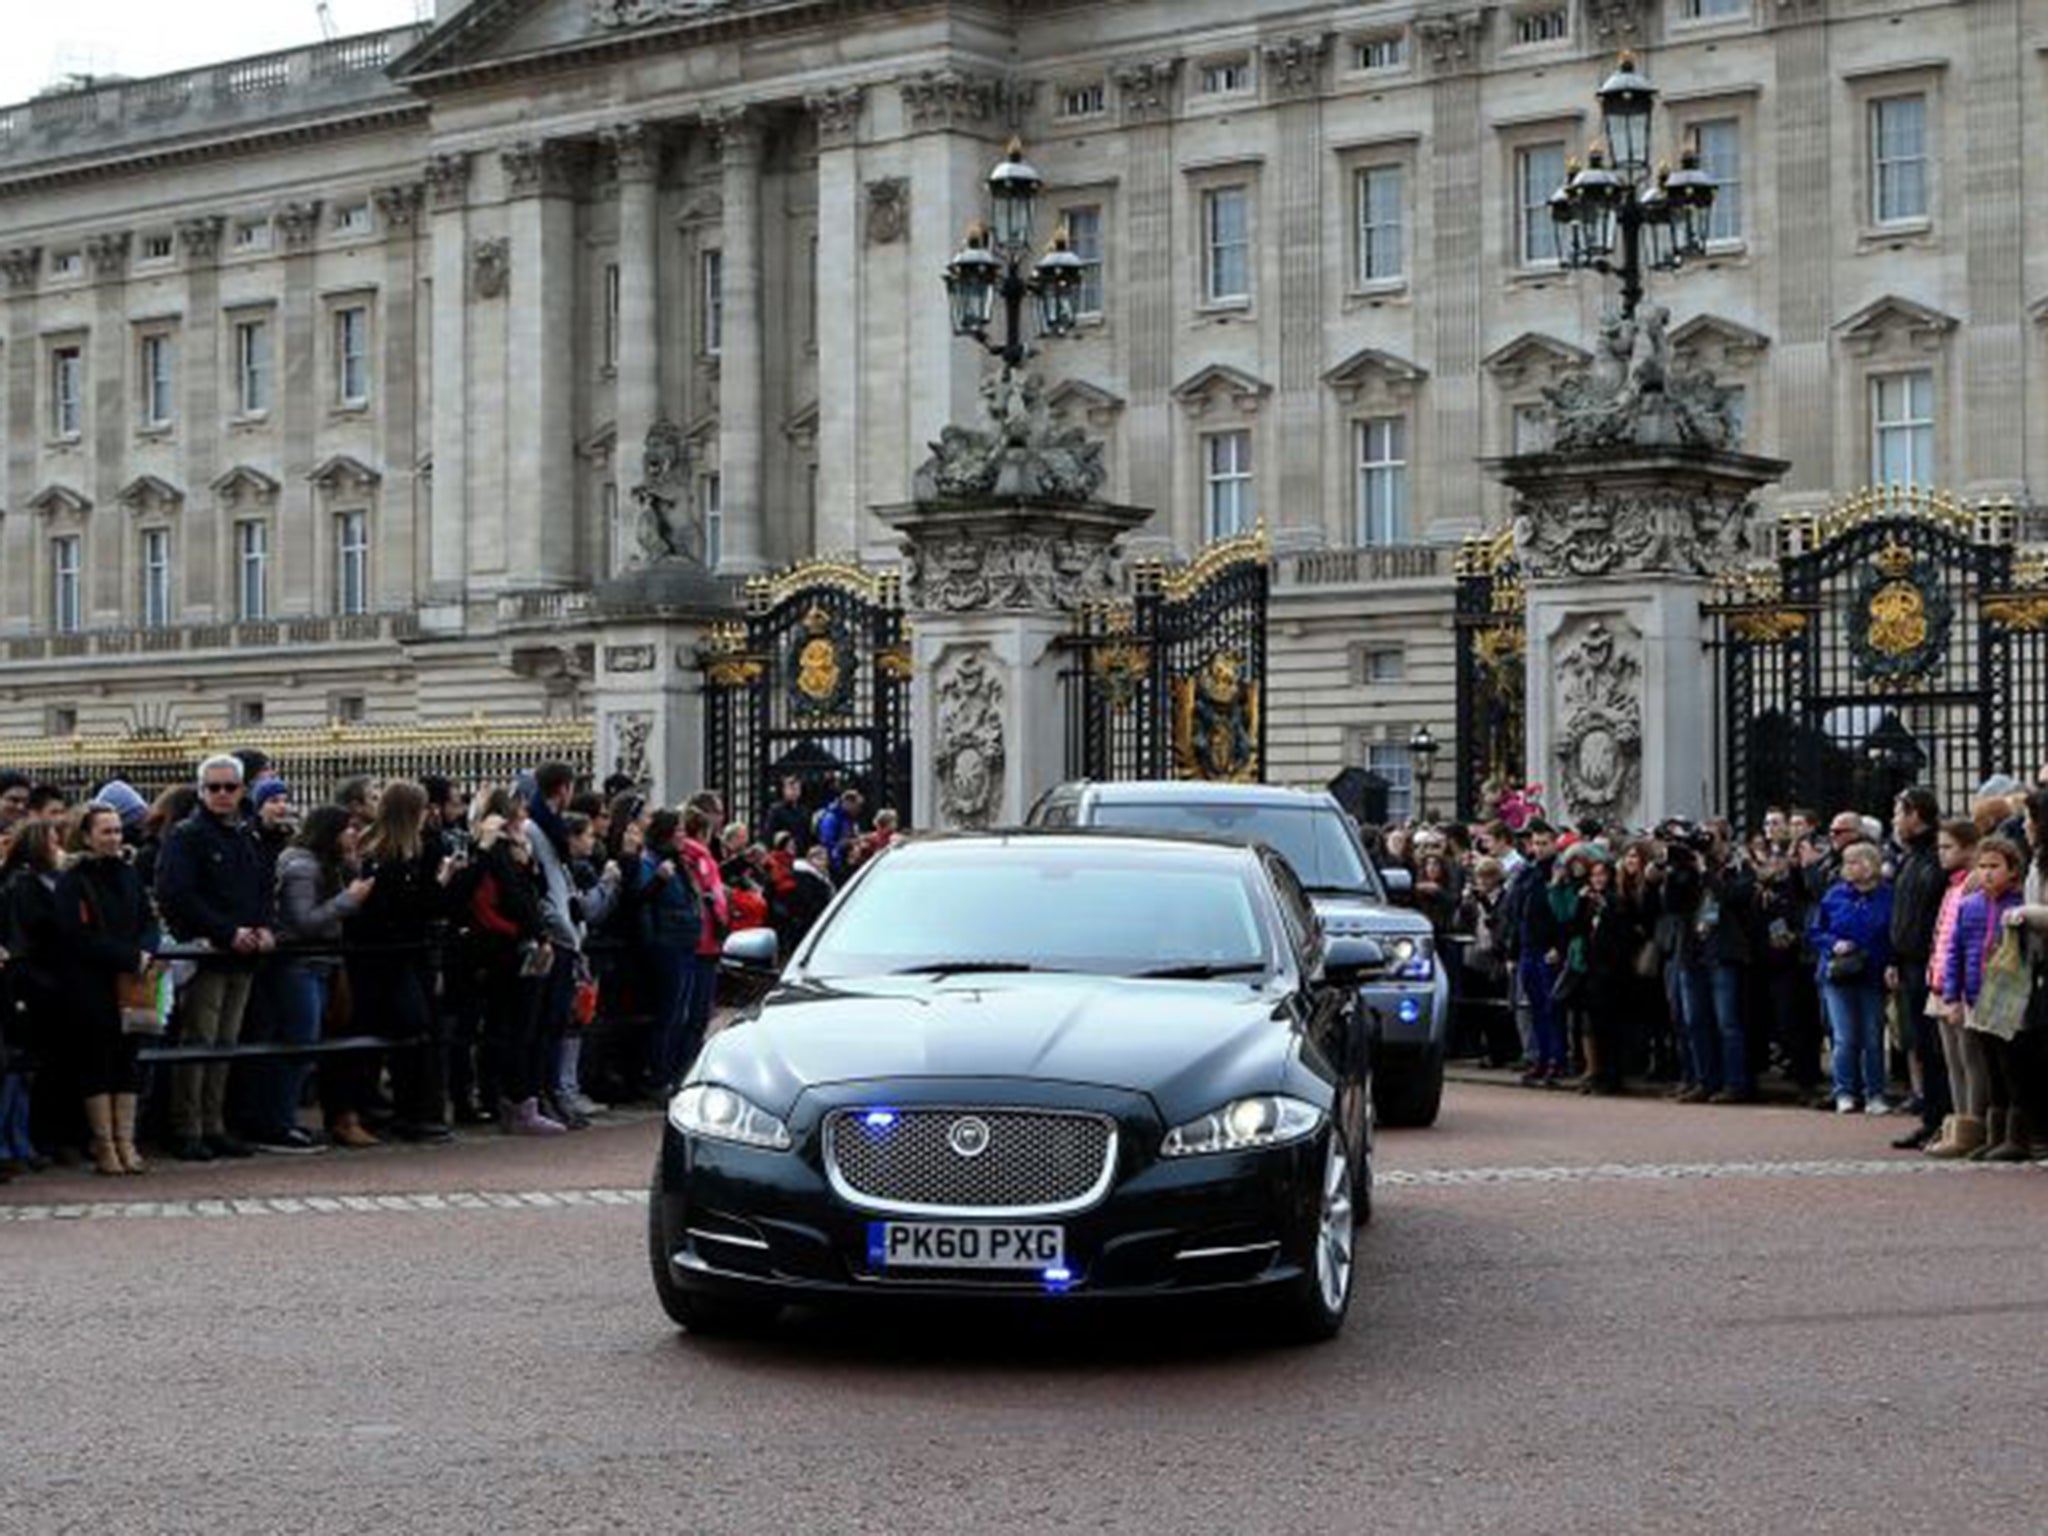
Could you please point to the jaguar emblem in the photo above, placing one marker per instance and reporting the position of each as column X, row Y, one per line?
column 968, row 1136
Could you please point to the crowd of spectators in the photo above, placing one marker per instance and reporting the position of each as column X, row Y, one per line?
column 246, row 974
column 1846, row 963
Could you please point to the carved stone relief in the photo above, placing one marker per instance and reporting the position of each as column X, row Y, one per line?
column 490, row 267
column 888, row 210
column 1147, row 88
column 666, row 528
column 1294, row 65
column 22, row 264
column 1634, row 395
column 1022, row 456
column 399, row 205
column 969, row 738
column 952, row 98
column 630, row 735
column 1597, row 717
column 836, row 111
column 299, row 223
column 447, row 177
column 640, row 13
column 629, row 658
column 1580, row 531
column 974, row 573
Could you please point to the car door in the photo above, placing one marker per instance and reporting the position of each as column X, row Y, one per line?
column 1330, row 1015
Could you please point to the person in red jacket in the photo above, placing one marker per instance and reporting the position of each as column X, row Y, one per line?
column 694, row 845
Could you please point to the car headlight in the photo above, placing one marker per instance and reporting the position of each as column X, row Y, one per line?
column 1412, row 956
column 1267, row 1120
column 719, row 1114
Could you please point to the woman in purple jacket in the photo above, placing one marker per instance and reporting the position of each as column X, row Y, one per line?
column 1981, row 923
column 1851, row 934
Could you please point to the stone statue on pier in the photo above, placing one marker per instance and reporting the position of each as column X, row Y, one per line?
column 667, row 528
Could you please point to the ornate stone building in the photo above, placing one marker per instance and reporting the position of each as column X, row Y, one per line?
column 328, row 374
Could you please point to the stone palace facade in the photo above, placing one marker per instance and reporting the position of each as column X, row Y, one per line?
column 328, row 374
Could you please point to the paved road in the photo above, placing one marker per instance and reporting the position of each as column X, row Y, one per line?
column 1582, row 1316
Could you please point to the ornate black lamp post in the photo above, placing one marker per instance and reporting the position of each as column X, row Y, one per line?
column 993, row 265
column 1422, row 751
column 1612, row 215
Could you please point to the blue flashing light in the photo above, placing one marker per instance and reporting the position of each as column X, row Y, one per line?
column 1410, row 1010
column 879, row 1119
column 1058, row 1277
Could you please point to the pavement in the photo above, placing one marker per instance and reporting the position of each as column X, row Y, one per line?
column 1575, row 1315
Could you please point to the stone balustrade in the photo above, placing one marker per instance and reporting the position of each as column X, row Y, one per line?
column 249, row 635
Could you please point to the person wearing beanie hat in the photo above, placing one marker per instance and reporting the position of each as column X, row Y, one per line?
column 268, row 790
column 122, row 798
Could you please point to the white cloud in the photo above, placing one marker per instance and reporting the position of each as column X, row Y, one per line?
column 46, row 41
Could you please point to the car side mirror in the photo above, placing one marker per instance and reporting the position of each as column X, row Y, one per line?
column 1352, row 960
column 1399, row 882
column 752, row 952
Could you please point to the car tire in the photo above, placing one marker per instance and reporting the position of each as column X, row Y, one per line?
column 1410, row 1096
column 1314, row 1308
column 706, row 1316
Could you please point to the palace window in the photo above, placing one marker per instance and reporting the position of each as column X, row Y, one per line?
column 155, row 361
column 611, row 314
column 352, row 354
column 252, row 569
column 1544, row 24
column 156, row 577
column 1226, row 77
column 1383, row 480
column 1390, row 760
column 1898, row 159
column 352, row 219
column 1902, row 428
column 1382, row 194
column 1389, row 51
column 1539, row 170
column 252, row 367
column 66, row 587
column 1720, row 145
column 1084, row 238
column 67, row 391
column 352, row 562
column 1713, row 10
column 1229, row 498
column 616, row 546
column 1090, row 100
column 1227, row 245
column 712, row 492
column 711, row 297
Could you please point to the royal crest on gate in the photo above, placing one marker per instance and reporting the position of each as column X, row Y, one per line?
column 1900, row 623
column 1216, row 721
column 821, row 671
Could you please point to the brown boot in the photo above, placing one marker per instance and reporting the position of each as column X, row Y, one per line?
column 1994, row 1133
column 2013, row 1146
column 99, row 1117
column 347, row 1131
column 124, row 1134
column 1964, row 1135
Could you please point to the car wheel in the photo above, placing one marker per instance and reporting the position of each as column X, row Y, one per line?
column 700, row 1314
column 1410, row 1096
column 1314, row 1310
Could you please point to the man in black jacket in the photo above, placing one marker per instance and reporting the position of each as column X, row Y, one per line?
column 211, row 890
column 1917, row 889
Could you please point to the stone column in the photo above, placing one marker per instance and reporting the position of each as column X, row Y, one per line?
column 1991, row 449
column 1619, row 548
column 1459, row 277
column 447, row 534
column 200, row 401
column 23, row 266
column 1146, row 95
column 1802, row 356
column 840, row 308
column 1292, row 72
column 398, row 563
column 992, row 590
column 108, row 426
column 741, row 350
column 302, row 394
column 636, row 150
column 540, row 365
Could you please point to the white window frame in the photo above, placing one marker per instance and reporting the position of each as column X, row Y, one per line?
column 1725, row 225
column 1382, row 244
column 1532, row 216
column 1704, row 11
column 252, row 234
column 1540, row 26
column 1882, row 215
column 611, row 315
column 1089, row 99
column 156, row 366
column 67, row 583
column 352, row 562
column 1381, row 460
column 154, row 563
column 1393, row 762
column 711, row 299
column 1383, row 665
column 1230, row 490
column 615, row 552
column 253, row 365
column 67, row 263
column 1381, row 54
column 158, row 246
column 352, row 355
column 1215, row 248
column 1231, row 76
column 252, row 570
column 67, row 391
column 1914, row 427
column 711, row 500
column 352, row 218
column 1078, row 218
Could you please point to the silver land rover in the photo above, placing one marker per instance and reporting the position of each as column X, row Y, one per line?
column 1410, row 1003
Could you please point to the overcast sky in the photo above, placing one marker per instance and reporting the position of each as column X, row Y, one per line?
column 46, row 39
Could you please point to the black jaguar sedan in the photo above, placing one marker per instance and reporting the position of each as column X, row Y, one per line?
column 1057, row 1066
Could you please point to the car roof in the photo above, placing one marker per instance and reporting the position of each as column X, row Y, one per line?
column 1140, row 841
column 1195, row 792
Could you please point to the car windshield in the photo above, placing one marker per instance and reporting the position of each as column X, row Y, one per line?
column 1311, row 838
column 1011, row 907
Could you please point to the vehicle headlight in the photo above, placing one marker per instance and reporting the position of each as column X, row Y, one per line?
column 1412, row 956
column 1267, row 1120
column 719, row 1114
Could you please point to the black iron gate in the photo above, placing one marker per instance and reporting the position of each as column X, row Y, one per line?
column 1897, row 640
column 1491, row 680
column 814, row 683
column 1171, row 684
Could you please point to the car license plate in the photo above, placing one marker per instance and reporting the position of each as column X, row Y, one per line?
column 957, row 1245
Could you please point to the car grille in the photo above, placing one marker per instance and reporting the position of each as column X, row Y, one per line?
column 1036, row 1162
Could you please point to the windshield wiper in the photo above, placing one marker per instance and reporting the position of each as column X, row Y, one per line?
column 1203, row 972
column 964, row 967
column 1336, row 890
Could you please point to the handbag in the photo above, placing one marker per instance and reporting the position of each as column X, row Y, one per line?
column 1848, row 967
column 1649, row 960
column 2002, row 1004
column 145, row 999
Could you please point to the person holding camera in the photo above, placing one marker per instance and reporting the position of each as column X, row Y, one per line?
column 1716, row 894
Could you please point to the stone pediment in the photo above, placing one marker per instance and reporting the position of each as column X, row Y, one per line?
column 801, row 427
column 244, row 483
column 1077, row 397
column 1220, row 382
column 496, row 33
column 148, row 493
column 1533, row 352
column 59, row 501
column 1369, row 371
column 1735, row 342
column 1893, row 316
column 600, row 445
column 344, row 472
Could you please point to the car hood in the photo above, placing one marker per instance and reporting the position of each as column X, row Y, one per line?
column 1361, row 914
column 1178, row 1041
